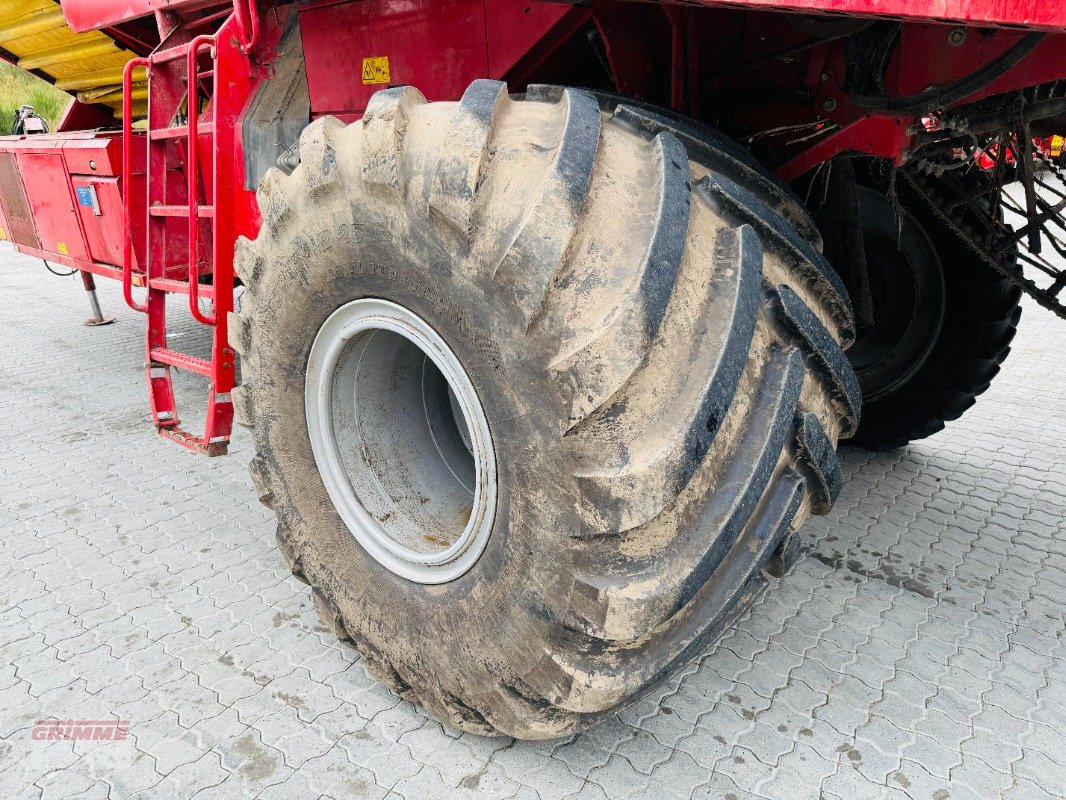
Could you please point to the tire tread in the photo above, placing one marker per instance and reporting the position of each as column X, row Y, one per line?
column 749, row 396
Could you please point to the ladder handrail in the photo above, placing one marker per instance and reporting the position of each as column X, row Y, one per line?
column 127, row 181
column 192, row 157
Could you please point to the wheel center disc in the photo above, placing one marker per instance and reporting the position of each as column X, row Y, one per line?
column 401, row 441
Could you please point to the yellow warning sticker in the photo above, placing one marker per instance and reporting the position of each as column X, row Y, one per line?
column 3, row 234
column 61, row 248
column 376, row 70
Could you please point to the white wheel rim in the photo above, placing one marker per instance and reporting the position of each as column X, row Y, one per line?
column 401, row 441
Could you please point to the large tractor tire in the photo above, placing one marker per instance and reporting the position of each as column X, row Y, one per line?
column 943, row 318
column 536, row 398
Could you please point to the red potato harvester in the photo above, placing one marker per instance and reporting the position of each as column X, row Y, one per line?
column 554, row 313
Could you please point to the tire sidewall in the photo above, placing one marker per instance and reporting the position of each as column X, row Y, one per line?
column 490, row 614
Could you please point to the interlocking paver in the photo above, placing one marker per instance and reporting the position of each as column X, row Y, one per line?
column 916, row 652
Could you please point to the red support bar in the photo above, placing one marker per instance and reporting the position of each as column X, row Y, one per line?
column 247, row 15
column 175, row 53
column 208, row 19
column 877, row 136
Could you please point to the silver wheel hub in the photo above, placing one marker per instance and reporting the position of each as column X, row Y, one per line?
column 401, row 441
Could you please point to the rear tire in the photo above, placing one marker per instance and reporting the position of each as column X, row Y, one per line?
column 952, row 335
column 657, row 354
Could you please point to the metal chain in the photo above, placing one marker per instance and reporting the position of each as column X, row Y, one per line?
column 935, row 161
column 1007, row 267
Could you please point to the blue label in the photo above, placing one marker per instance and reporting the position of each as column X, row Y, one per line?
column 85, row 195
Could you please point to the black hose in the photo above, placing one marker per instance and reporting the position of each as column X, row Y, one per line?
column 942, row 96
column 60, row 274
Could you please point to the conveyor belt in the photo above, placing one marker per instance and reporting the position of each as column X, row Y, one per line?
column 35, row 35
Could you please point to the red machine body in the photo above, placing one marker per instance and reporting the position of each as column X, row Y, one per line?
column 161, row 207
column 79, row 221
column 1051, row 14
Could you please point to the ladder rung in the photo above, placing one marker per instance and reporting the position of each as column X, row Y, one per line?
column 181, row 360
column 181, row 131
column 180, row 211
column 181, row 287
column 170, row 54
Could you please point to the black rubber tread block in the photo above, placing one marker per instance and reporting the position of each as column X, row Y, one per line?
column 816, row 340
column 537, row 251
column 645, row 445
column 606, row 605
column 819, row 462
column 384, row 128
column 318, row 154
column 465, row 151
column 589, row 676
column 600, row 367
column 800, row 255
column 716, row 152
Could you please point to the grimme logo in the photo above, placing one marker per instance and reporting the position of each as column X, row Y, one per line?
column 55, row 729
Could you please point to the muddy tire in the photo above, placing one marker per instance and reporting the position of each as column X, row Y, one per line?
column 656, row 354
column 944, row 319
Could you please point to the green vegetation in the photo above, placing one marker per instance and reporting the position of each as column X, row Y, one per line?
column 21, row 88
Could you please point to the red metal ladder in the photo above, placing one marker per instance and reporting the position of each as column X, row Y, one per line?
column 165, row 205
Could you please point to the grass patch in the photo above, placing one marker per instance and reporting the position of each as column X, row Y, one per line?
column 19, row 88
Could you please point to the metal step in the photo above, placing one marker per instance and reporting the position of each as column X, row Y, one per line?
column 181, row 360
column 213, row 447
column 181, row 211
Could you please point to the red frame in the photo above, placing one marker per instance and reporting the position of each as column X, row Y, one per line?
column 83, row 15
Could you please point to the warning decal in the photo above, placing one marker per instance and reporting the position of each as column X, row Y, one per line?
column 376, row 69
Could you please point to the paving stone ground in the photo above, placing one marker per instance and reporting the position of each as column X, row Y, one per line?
column 914, row 652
